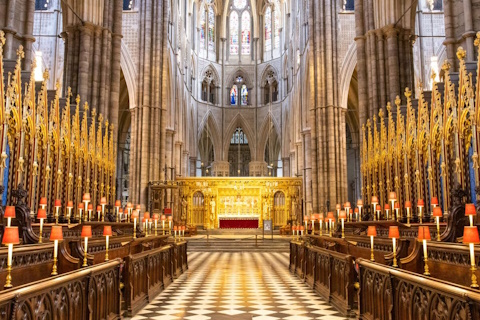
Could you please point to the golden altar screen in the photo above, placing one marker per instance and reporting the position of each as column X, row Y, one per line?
column 209, row 199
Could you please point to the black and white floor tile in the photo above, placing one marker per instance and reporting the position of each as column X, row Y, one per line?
column 239, row 285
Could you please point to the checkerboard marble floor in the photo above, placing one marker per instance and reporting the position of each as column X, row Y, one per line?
column 240, row 285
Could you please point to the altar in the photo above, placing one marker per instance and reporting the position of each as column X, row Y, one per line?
column 242, row 222
column 240, row 203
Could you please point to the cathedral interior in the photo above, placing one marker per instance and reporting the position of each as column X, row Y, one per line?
column 243, row 159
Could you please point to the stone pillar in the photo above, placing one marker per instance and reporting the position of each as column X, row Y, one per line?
column 16, row 20
column 149, row 132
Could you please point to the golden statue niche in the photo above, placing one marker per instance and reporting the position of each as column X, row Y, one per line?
column 212, row 199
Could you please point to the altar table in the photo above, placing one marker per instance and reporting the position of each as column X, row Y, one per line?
column 238, row 222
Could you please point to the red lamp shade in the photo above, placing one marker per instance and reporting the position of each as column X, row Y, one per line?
column 435, row 201
column 408, row 204
column 170, row 218
column 348, row 205
column 316, row 216
column 302, row 228
column 10, row 235
column 387, row 206
column 90, row 206
column 146, row 215
column 420, row 203
column 107, row 230
column 99, row 208
column 374, row 199
column 437, row 212
column 356, row 210
column 342, row 215
column 81, row 205
column 320, row 217
column 359, row 202
column 120, row 210
column 470, row 209
column 138, row 207
column 393, row 232
column 58, row 203
column 103, row 200
column 118, row 203
column 294, row 228
column 70, row 204
column 330, row 216
column 56, row 233
column 174, row 228
column 305, row 217
column 392, row 196
column 144, row 219
column 378, row 208
column 86, row 232
column 338, row 206
column 43, row 201
column 42, row 214
column 86, row 197
column 397, row 205
column 129, row 205
column 163, row 218
column 372, row 231
column 156, row 216
column 470, row 235
column 9, row 212
column 135, row 215
column 424, row 233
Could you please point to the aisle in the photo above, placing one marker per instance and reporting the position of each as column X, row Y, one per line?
column 238, row 286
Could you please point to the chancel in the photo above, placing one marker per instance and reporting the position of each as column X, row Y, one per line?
column 239, row 159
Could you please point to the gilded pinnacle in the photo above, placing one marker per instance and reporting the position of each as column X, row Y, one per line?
column 461, row 53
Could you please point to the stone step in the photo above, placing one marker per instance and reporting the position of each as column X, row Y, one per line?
column 239, row 245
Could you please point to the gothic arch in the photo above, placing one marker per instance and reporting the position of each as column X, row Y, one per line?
column 130, row 73
column 263, row 134
column 239, row 72
column 213, row 132
column 226, row 14
column 346, row 72
column 238, row 121
column 210, row 72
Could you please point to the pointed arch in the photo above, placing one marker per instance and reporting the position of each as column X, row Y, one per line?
column 238, row 121
column 263, row 134
column 213, row 133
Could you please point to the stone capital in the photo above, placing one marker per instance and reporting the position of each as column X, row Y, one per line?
column 390, row 31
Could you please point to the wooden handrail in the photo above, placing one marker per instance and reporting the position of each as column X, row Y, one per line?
column 29, row 288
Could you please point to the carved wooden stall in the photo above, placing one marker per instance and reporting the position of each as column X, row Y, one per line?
column 90, row 293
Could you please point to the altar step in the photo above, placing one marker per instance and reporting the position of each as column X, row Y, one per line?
column 212, row 244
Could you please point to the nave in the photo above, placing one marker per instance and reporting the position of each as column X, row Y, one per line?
column 240, row 285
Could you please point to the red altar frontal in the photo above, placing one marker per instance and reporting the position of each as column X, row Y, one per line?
column 238, row 222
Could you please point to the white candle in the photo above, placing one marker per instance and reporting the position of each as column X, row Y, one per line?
column 10, row 253
column 55, row 249
column 424, row 249
column 472, row 254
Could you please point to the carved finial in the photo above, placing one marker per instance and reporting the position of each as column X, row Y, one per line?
column 46, row 75
column 389, row 107
column 446, row 65
column 381, row 114
column 408, row 93
column 77, row 99
column 69, row 92
column 100, row 117
column 20, row 52
column 461, row 53
column 476, row 42
column 433, row 76
column 398, row 101
column 57, row 85
column 2, row 37
column 86, row 107
column 112, row 127
column 94, row 112
column 369, row 124
column 106, row 124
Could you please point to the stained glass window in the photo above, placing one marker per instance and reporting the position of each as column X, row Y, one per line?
column 244, row 95
column 268, row 29
column 211, row 29
column 202, row 29
column 234, row 33
column 234, row 95
column 246, row 32
column 239, row 4
column 277, row 24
